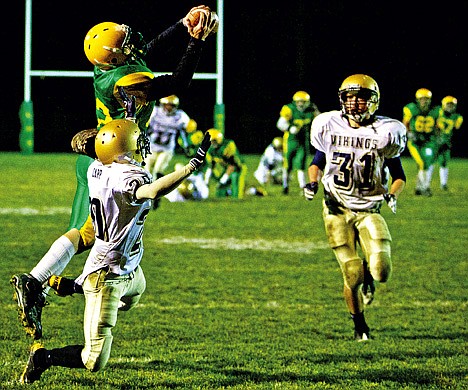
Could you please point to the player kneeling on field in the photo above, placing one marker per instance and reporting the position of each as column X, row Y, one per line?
column 121, row 194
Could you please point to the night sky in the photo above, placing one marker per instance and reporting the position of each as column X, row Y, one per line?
column 270, row 52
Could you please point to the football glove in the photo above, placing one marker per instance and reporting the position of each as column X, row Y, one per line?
column 83, row 142
column 293, row 129
column 310, row 190
column 64, row 286
column 391, row 202
column 129, row 103
column 224, row 179
column 201, row 22
column 199, row 158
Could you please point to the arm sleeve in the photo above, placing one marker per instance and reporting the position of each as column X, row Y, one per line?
column 395, row 168
column 179, row 81
column 164, row 42
column 165, row 184
column 320, row 160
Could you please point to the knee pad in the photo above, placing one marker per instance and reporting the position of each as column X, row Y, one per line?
column 338, row 232
column 353, row 273
column 380, row 263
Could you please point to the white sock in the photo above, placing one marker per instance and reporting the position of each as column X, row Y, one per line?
column 301, row 178
column 421, row 180
column 55, row 260
column 443, row 174
column 285, row 177
column 429, row 173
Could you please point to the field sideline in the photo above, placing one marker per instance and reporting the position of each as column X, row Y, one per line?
column 246, row 294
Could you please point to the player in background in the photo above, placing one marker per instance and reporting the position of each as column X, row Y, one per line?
column 119, row 55
column 167, row 124
column 121, row 192
column 420, row 119
column 270, row 167
column 448, row 120
column 294, row 121
column 226, row 166
column 192, row 188
column 356, row 151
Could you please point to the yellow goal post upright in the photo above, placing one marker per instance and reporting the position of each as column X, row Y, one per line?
column 26, row 112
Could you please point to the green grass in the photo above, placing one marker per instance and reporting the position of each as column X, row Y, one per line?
column 246, row 294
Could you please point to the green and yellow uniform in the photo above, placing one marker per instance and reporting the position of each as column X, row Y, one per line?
column 422, row 136
column 446, row 124
column 108, row 107
column 296, row 146
column 222, row 160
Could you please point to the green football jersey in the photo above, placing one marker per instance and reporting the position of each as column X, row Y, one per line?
column 108, row 100
column 300, row 119
column 446, row 124
column 423, row 125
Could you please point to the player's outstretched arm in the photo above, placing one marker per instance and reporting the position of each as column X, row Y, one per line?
column 169, row 182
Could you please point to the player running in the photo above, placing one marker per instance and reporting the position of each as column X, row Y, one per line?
column 355, row 152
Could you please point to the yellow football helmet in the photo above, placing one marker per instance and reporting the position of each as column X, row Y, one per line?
column 302, row 100
column 301, row 96
column 117, row 141
column 364, row 86
column 172, row 99
column 217, row 137
column 449, row 104
column 109, row 44
column 423, row 93
column 191, row 126
column 278, row 143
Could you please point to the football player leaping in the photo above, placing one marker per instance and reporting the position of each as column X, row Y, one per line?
column 119, row 55
column 355, row 152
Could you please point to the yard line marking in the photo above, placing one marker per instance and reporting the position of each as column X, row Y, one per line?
column 246, row 244
column 35, row 211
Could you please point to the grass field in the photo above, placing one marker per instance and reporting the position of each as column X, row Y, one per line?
column 246, row 294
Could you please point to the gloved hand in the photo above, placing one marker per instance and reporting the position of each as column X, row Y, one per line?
column 293, row 129
column 391, row 202
column 224, row 179
column 310, row 190
column 201, row 22
column 129, row 103
column 199, row 158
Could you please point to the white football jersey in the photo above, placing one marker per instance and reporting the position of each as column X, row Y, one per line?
column 355, row 174
column 118, row 217
column 164, row 128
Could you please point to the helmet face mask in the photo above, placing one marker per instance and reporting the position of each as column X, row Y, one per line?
column 119, row 141
column 359, row 97
column 449, row 104
column 302, row 100
column 170, row 103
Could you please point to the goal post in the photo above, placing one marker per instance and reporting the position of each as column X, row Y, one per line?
column 26, row 112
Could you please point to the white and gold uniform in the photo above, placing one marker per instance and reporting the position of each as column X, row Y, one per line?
column 112, row 279
column 163, row 131
column 355, row 179
column 355, row 175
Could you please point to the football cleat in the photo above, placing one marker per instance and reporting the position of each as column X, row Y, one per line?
column 30, row 299
column 35, row 367
column 361, row 336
